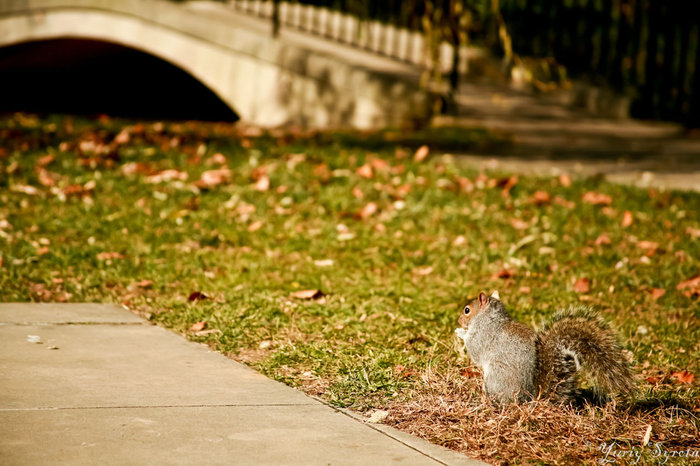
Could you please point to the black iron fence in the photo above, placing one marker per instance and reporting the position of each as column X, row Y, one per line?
column 646, row 49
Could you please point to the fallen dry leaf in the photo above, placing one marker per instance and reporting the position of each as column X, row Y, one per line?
column 167, row 175
column 602, row 239
column 357, row 193
column 307, row 294
column 503, row 274
column 367, row 211
column 649, row 245
column 25, row 189
column 461, row 240
column 627, row 219
column 541, row 198
column 211, row 178
column 103, row 256
column 263, row 184
column 322, row 172
column 423, row 271
column 507, row 184
column 421, row 153
column 379, row 164
column 198, row 326
column 217, row 159
column 656, row 293
column 42, row 250
column 524, row 290
column 596, row 198
column 565, row 180
column 684, row 376
column 582, row 285
column 519, row 224
column 465, row 184
column 45, row 160
column 564, row 202
column 690, row 287
column 197, row 296
column 255, row 226
column 132, row 168
column 365, row 171
column 694, row 232
column 145, row 284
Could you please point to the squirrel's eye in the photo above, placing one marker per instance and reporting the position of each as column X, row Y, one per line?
column 466, row 310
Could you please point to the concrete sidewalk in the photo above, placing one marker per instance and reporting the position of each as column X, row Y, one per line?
column 95, row 384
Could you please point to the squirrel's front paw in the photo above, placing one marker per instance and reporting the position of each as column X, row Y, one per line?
column 461, row 333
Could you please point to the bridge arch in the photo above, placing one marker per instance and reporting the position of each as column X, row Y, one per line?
column 267, row 81
column 89, row 77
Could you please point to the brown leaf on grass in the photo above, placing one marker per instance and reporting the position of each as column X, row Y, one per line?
column 602, row 239
column 507, row 184
column 650, row 246
column 541, row 198
column 198, row 326
column 694, row 232
column 519, row 224
column 322, row 172
column 690, row 287
column 307, row 294
column 145, row 284
column 403, row 372
column 524, row 290
column 197, row 296
column 133, row 168
column 263, row 184
column 42, row 250
column 255, row 226
column 211, row 178
column 627, row 219
column 565, row 180
column 104, row 256
column 367, row 211
column 558, row 200
column 460, row 240
column 683, row 376
column 594, row 198
column 167, row 175
column 503, row 274
column 423, row 271
column 465, row 184
column 403, row 190
column 421, row 153
column 357, row 193
column 25, row 189
column 656, row 293
column 45, row 178
column 217, row 159
column 44, row 160
column 469, row 373
column 379, row 164
column 365, row 171
column 582, row 285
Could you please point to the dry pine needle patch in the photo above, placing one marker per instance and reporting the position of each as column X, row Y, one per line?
column 449, row 409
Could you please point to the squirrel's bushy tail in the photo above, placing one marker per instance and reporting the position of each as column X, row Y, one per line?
column 578, row 338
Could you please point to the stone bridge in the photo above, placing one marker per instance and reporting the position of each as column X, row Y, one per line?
column 295, row 79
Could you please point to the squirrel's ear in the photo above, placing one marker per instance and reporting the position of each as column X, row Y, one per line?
column 495, row 295
column 483, row 299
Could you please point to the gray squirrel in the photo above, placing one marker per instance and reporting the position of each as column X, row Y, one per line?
column 519, row 364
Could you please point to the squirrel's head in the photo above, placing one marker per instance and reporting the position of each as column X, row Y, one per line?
column 473, row 308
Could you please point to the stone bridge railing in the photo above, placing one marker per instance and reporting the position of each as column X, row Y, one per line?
column 385, row 39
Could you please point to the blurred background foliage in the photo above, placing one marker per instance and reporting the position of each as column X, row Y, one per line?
column 647, row 50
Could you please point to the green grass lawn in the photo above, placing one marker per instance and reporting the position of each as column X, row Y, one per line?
column 219, row 247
